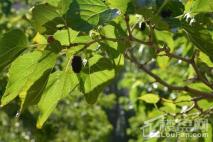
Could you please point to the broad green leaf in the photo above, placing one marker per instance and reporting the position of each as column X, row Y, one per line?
column 99, row 74
column 61, row 5
column 165, row 37
column 45, row 18
column 24, row 71
column 176, row 7
column 121, row 5
column 163, row 61
column 183, row 100
column 59, row 85
column 199, row 6
column 84, row 15
column 34, row 93
column 11, row 45
column 200, row 86
column 81, row 39
column 205, row 59
column 169, row 106
column 205, row 104
column 115, row 50
column 150, row 98
column 110, row 46
column 53, row 2
column 64, row 6
column 63, row 36
column 201, row 39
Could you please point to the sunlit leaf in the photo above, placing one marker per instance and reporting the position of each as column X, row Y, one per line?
column 59, row 85
column 24, row 71
column 150, row 98
column 99, row 74
column 11, row 45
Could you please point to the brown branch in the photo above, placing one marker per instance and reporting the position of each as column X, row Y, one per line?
column 187, row 60
column 141, row 41
column 128, row 26
column 200, row 75
column 171, row 55
column 164, row 83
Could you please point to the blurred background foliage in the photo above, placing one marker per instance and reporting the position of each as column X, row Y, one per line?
column 118, row 115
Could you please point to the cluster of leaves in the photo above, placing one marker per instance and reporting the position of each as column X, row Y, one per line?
column 169, row 38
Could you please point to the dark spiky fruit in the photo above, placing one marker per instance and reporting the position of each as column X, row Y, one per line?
column 143, row 26
column 50, row 39
column 76, row 64
column 166, row 13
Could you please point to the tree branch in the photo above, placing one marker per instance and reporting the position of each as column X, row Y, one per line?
column 128, row 26
column 189, row 61
column 164, row 83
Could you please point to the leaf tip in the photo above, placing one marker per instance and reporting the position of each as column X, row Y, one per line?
column 39, row 125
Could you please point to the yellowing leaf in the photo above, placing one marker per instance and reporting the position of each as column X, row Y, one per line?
column 40, row 40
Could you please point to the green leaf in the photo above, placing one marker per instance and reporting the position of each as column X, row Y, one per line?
column 63, row 36
column 59, row 85
column 34, row 93
column 165, row 37
column 168, row 107
column 24, row 71
column 205, row 59
column 184, row 100
column 84, row 15
column 121, row 5
column 199, row 6
column 201, row 39
column 99, row 74
column 205, row 104
column 114, row 49
column 53, row 2
column 150, row 98
column 45, row 18
column 163, row 61
column 176, row 7
column 64, row 6
column 11, row 45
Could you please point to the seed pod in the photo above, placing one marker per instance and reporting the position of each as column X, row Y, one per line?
column 50, row 39
column 166, row 13
column 143, row 26
column 76, row 64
